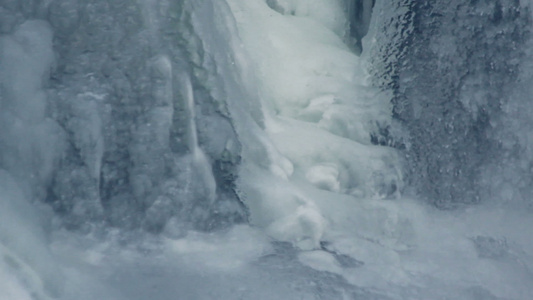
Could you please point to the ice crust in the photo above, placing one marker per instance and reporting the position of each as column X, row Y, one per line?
column 131, row 131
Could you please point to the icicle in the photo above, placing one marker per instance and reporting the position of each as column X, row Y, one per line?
column 200, row 162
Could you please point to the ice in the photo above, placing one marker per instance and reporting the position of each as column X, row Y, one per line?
column 324, row 177
column 228, row 252
column 12, row 289
column 320, row 260
column 200, row 162
column 240, row 149
column 298, row 90
column 24, row 255
column 26, row 61
column 30, row 146
column 331, row 16
column 26, row 58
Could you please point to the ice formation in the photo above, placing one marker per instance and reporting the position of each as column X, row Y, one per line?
column 248, row 149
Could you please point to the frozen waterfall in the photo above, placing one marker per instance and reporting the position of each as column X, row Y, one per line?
column 266, row 149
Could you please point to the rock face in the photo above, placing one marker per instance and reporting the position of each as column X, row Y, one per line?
column 455, row 70
column 111, row 106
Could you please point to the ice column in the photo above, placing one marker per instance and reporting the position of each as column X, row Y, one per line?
column 200, row 163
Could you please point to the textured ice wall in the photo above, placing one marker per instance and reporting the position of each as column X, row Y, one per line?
column 320, row 114
column 309, row 170
column 107, row 141
column 456, row 70
column 96, row 115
